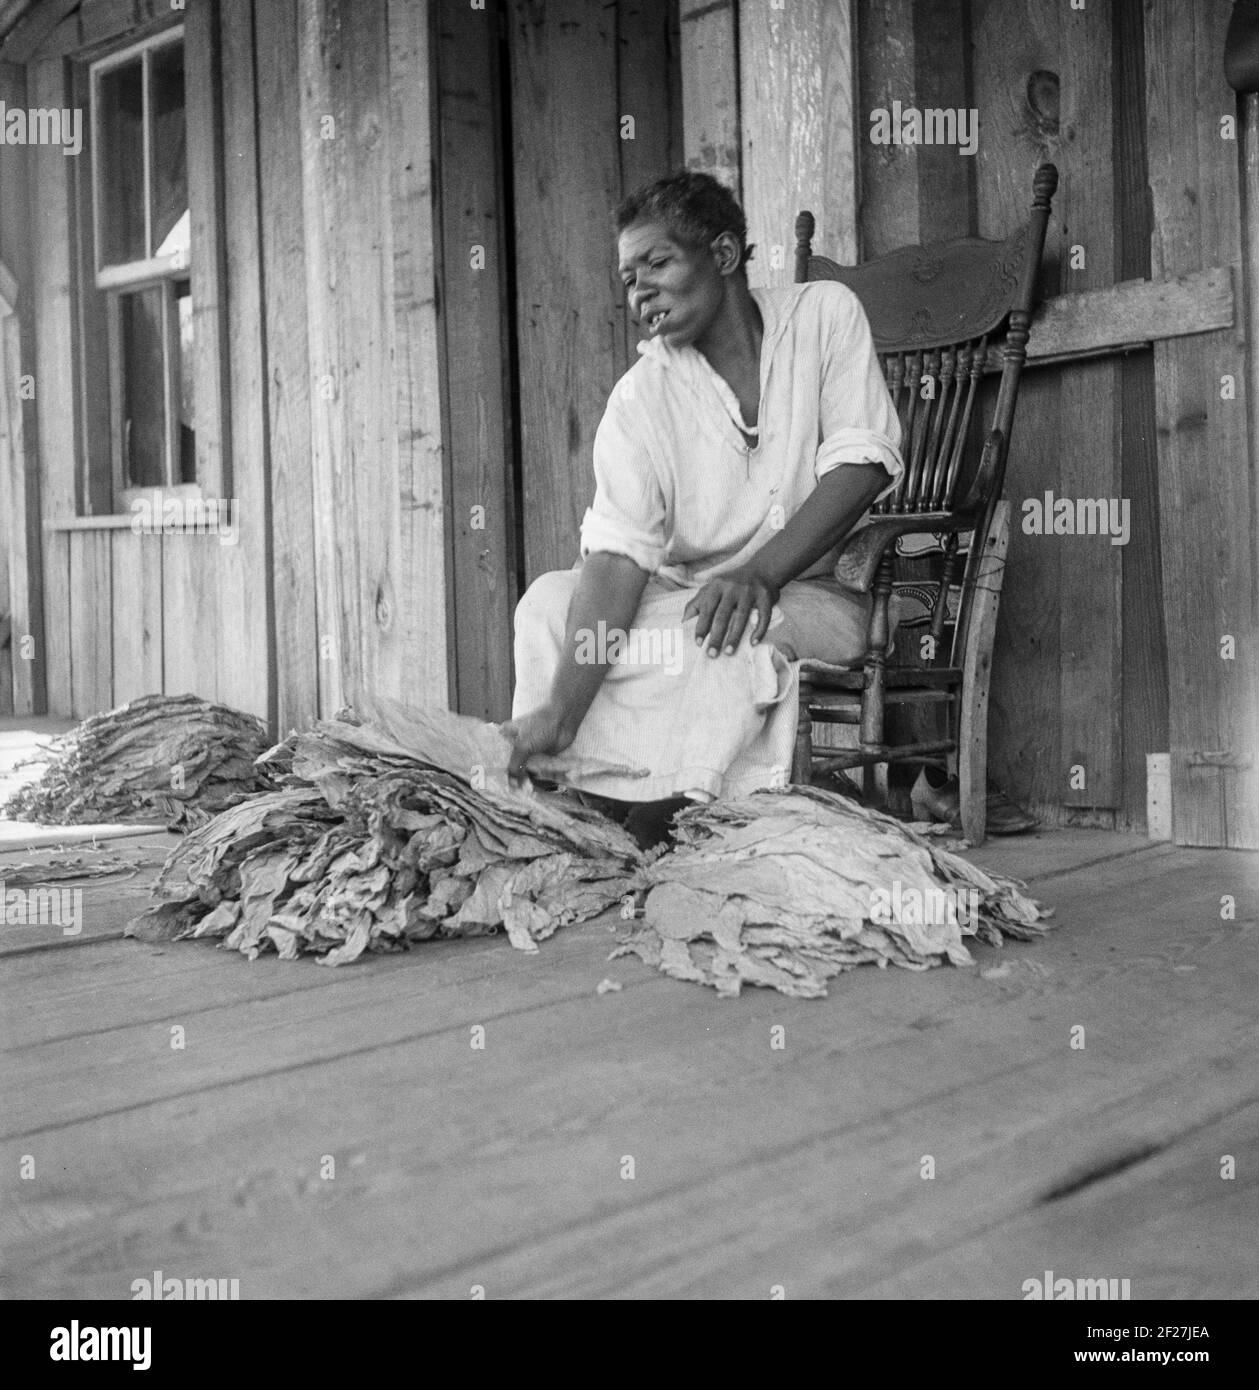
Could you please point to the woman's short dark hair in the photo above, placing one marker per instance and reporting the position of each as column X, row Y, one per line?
column 695, row 208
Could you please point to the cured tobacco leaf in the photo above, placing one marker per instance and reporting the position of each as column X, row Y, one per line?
column 788, row 888
column 173, row 759
column 401, row 826
column 109, row 865
column 387, row 831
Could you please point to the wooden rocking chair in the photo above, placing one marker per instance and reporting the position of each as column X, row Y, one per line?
column 934, row 312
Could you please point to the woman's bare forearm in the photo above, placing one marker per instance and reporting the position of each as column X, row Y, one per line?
column 608, row 591
column 835, row 506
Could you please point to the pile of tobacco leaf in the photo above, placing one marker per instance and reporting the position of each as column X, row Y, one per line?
column 173, row 759
column 389, row 825
column 789, row 888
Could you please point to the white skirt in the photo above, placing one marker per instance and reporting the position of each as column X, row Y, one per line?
column 671, row 720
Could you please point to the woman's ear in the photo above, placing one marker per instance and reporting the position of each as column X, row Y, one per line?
column 727, row 253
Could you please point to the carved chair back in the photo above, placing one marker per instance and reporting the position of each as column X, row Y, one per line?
column 936, row 312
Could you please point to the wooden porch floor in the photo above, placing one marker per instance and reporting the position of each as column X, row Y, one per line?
column 752, row 1167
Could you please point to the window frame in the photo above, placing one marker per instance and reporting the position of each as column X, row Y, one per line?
column 169, row 286
column 151, row 267
column 80, row 494
column 100, row 499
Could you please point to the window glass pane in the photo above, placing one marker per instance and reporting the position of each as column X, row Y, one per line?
column 169, row 145
column 186, row 393
column 120, row 164
column 178, row 241
column 143, row 388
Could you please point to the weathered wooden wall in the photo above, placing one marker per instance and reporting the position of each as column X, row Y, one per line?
column 768, row 97
column 1103, row 650
column 579, row 73
column 1056, row 679
column 369, row 555
column 1104, row 653
column 21, row 647
column 366, row 190
column 796, row 99
column 477, row 342
column 287, row 382
column 1207, row 461
column 314, row 275
column 380, row 517
column 48, row 186
column 1080, row 681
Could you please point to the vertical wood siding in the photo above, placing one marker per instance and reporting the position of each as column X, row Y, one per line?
column 52, row 272
column 314, row 256
column 574, row 87
column 476, row 330
column 1206, row 458
column 796, row 99
column 288, row 376
column 22, row 677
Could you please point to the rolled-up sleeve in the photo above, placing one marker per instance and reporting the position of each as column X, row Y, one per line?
column 858, row 419
column 627, row 516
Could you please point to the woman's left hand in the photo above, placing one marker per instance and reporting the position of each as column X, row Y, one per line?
column 724, row 607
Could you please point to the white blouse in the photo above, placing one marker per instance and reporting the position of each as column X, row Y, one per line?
column 681, row 492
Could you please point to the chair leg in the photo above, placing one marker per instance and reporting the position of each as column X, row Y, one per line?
column 871, row 793
column 972, row 738
column 872, row 696
column 802, row 759
column 901, row 777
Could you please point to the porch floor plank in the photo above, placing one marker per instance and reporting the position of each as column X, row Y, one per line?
column 753, row 1166
column 1168, row 1224
column 107, row 903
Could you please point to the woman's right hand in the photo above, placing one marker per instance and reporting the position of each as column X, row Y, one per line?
column 542, row 730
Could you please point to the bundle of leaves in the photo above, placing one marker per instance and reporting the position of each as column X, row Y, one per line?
column 170, row 759
column 789, row 888
column 387, row 830
column 394, row 825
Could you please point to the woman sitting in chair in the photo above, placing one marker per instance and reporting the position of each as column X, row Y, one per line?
column 750, row 438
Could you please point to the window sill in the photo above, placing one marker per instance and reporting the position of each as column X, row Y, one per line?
column 124, row 523
column 90, row 523
column 182, row 494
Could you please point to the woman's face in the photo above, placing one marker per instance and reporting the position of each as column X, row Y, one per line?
column 673, row 292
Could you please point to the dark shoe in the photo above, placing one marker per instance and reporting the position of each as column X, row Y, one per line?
column 651, row 822
column 1005, row 817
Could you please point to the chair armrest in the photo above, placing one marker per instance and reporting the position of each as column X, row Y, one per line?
column 859, row 559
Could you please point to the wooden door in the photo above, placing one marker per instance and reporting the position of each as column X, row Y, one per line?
column 595, row 112
column 547, row 115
